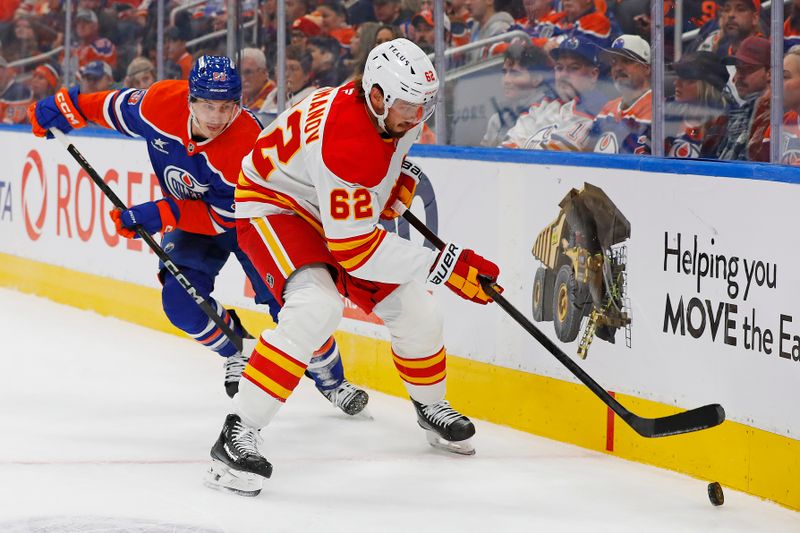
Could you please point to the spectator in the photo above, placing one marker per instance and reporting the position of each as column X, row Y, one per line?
column 387, row 33
column 695, row 115
column 578, row 18
column 790, row 141
column 537, row 12
column 256, row 84
column 24, row 42
column 14, row 96
column 738, row 20
column 304, row 28
column 334, row 21
column 791, row 27
column 326, row 63
column 141, row 73
column 390, row 12
column 487, row 21
column 623, row 125
column 176, row 52
column 298, row 82
column 563, row 123
column 745, row 122
column 91, row 46
column 361, row 45
column 361, row 11
column 44, row 81
column 424, row 35
column 525, row 72
column 95, row 77
column 296, row 9
column 457, row 10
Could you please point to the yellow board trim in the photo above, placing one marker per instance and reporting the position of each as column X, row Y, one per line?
column 738, row 456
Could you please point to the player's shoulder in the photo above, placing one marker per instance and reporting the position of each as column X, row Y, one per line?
column 165, row 100
column 351, row 146
column 245, row 128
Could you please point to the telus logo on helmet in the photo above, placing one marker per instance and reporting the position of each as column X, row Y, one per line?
column 397, row 53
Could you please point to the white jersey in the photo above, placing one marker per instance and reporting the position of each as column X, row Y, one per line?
column 324, row 160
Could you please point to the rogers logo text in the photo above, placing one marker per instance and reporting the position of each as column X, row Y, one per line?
column 31, row 205
column 183, row 185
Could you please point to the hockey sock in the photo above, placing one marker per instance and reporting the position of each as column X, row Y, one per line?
column 423, row 377
column 325, row 367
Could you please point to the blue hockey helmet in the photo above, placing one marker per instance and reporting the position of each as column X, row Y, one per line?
column 215, row 78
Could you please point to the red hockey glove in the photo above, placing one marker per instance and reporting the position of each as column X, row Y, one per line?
column 459, row 269
column 153, row 217
column 403, row 189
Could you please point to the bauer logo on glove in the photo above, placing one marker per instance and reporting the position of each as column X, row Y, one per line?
column 459, row 270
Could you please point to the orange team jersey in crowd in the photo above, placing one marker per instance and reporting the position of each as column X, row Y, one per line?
column 594, row 26
column 791, row 36
column 100, row 49
column 343, row 35
column 185, row 62
column 200, row 175
column 624, row 131
column 324, row 162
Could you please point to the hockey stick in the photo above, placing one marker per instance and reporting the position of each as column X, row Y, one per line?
column 148, row 239
column 696, row 419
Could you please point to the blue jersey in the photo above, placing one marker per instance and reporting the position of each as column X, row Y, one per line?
column 200, row 175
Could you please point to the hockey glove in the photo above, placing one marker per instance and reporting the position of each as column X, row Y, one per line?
column 60, row 111
column 459, row 270
column 403, row 190
column 153, row 217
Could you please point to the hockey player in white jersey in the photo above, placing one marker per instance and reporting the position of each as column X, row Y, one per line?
column 308, row 205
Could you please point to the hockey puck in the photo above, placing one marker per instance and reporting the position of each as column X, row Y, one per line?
column 715, row 494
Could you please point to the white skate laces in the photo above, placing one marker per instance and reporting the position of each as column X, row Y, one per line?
column 440, row 413
column 234, row 366
column 246, row 439
column 347, row 397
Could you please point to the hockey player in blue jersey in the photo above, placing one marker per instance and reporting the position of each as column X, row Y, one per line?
column 197, row 134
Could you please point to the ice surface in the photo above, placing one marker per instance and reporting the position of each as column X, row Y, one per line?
column 107, row 427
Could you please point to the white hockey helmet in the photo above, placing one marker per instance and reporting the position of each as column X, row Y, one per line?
column 405, row 75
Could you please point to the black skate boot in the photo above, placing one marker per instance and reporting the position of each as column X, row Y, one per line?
column 445, row 428
column 236, row 363
column 236, row 464
column 347, row 397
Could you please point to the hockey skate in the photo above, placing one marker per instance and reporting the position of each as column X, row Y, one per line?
column 236, row 464
column 235, row 365
column 445, row 428
column 347, row 397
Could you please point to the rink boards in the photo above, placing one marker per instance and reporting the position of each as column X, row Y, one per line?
column 712, row 288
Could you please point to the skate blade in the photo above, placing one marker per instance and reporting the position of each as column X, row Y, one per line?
column 460, row 447
column 364, row 414
column 223, row 478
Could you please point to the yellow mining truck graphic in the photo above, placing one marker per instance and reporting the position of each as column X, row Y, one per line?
column 583, row 272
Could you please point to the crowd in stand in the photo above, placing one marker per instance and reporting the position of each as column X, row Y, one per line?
column 579, row 81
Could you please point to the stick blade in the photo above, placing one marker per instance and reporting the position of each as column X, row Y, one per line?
column 697, row 419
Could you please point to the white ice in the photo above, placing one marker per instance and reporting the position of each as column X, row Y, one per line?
column 107, row 421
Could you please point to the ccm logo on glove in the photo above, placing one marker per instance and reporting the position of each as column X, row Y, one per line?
column 67, row 109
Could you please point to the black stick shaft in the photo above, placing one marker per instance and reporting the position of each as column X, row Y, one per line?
column 151, row 242
column 693, row 420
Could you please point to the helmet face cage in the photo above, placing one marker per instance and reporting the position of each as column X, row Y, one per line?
column 404, row 73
